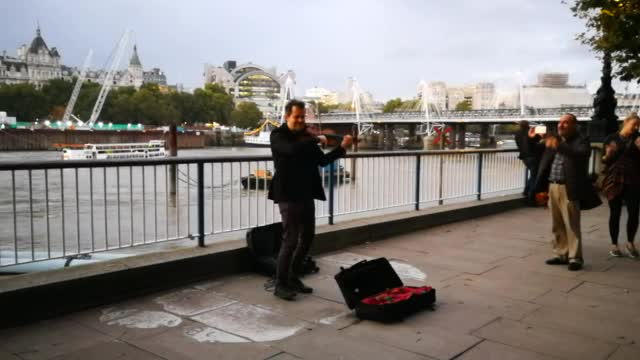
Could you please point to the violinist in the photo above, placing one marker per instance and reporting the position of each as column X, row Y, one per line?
column 296, row 184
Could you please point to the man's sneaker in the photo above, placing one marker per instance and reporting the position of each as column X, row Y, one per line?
column 632, row 251
column 284, row 292
column 575, row 265
column 297, row 285
column 558, row 260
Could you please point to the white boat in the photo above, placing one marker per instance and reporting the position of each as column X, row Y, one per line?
column 261, row 139
column 260, row 136
column 152, row 149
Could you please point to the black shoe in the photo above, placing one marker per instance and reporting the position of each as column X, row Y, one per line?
column 575, row 265
column 557, row 261
column 284, row 292
column 297, row 285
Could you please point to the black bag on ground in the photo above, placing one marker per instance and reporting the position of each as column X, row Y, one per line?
column 372, row 277
column 264, row 245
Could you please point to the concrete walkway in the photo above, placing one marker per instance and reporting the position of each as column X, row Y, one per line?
column 496, row 300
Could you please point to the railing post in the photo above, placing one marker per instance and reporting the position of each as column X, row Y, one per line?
column 480, row 157
column 440, row 184
column 418, row 162
column 331, row 170
column 200, row 204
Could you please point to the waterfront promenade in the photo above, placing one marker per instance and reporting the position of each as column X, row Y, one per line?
column 496, row 300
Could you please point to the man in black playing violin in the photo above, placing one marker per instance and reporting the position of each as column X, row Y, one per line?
column 296, row 184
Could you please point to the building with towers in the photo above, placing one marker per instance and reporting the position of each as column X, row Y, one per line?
column 35, row 64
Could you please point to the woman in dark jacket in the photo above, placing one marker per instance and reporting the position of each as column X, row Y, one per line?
column 622, row 182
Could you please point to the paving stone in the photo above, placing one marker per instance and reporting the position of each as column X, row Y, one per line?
column 407, row 271
column 252, row 322
column 610, row 307
column 545, row 340
column 435, row 275
column 284, row 356
column 612, row 294
column 522, row 291
column 5, row 355
column 48, row 339
column 129, row 320
column 109, row 350
column 451, row 316
column 450, row 260
column 513, row 248
column 485, row 301
column 327, row 344
column 535, row 263
column 517, row 275
column 626, row 353
column 489, row 350
column 310, row 309
column 325, row 287
column 429, row 340
column 193, row 341
column 607, row 327
column 187, row 302
column 612, row 279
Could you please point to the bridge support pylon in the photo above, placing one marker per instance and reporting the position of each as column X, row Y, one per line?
column 461, row 133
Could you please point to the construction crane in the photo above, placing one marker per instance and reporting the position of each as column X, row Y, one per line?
column 76, row 89
column 108, row 79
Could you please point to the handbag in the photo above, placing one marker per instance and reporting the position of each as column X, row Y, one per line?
column 611, row 180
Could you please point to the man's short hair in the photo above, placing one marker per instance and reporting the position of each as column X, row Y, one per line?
column 289, row 107
column 572, row 116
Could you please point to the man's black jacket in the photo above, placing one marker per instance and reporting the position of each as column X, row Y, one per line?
column 527, row 146
column 296, row 157
column 576, row 168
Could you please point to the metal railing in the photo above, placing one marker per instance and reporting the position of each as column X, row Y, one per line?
column 61, row 209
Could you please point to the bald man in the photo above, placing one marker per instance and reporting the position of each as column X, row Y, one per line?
column 564, row 170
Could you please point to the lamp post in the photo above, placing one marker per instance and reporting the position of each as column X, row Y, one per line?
column 604, row 120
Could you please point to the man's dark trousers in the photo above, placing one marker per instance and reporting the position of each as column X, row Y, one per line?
column 532, row 165
column 299, row 226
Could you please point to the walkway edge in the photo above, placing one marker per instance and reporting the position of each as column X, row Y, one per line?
column 37, row 296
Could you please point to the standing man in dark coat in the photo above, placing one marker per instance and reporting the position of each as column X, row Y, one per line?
column 564, row 169
column 296, row 184
column 530, row 156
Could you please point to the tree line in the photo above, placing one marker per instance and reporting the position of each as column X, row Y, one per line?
column 148, row 105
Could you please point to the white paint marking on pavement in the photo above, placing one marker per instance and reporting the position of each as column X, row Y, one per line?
column 147, row 320
column 206, row 334
column 113, row 313
column 191, row 302
column 330, row 320
column 251, row 322
column 405, row 271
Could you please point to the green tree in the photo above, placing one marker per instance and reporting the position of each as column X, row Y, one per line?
column 392, row 105
column 246, row 115
column 216, row 104
column 119, row 106
column 57, row 93
column 86, row 100
column 463, row 106
column 23, row 101
column 613, row 27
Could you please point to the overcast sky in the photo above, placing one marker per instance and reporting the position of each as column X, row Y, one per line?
column 388, row 45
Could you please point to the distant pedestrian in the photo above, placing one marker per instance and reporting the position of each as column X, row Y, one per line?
column 296, row 183
column 530, row 156
column 622, row 182
column 564, row 169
